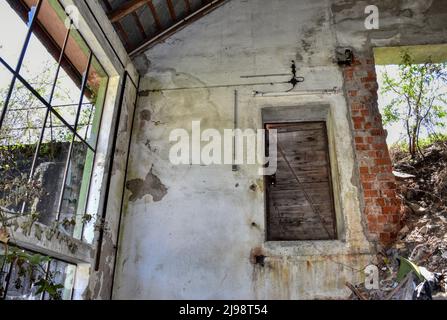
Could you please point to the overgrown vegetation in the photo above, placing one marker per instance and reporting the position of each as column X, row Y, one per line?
column 419, row 101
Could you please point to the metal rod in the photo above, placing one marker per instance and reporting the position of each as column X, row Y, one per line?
column 235, row 167
column 124, row 189
column 70, row 149
column 8, row 279
column 295, row 93
column 50, row 100
column 19, row 63
column 48, row 126
column 266, row 75
column 109, row 172
column 54, row 106
column 47, row 272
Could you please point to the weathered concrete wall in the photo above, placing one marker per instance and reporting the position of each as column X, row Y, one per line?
column 198, row 231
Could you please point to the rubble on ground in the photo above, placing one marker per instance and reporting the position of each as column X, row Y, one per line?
column 421, row 245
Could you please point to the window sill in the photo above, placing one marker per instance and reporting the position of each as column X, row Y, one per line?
column 315, row 248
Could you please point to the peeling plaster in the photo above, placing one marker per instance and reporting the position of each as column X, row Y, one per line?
column 150, row 185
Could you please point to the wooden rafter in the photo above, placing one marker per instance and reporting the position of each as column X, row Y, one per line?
column 188, row 6
column 139, row 24
column 164, row 33
column 171, row 10
column 119, row 26
column 125, row 9
column 155, row 15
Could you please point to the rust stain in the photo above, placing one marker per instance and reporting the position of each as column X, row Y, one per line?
column 308, row 265
column 257, row 256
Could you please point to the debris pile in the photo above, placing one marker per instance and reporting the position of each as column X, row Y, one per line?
column 415, row 266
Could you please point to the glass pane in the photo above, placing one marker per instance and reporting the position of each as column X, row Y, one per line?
column 50, row 167
column 76, row 187
column 86, row 118
column 41, row 59
column 18, row 138
column 74, row 66
column 14, row 15
column 67, row 112
column 24, row 118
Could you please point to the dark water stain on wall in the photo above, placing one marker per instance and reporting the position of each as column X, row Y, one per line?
column 150, row 185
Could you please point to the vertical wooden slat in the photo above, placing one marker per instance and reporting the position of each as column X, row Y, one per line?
column 125, row 9
column 188, row 6
column 139, row 25
column 155, row 15
column 171, row 10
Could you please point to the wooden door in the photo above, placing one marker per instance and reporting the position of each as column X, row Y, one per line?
column 300, row 202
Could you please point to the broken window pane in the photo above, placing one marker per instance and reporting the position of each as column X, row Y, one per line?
column 16, row 17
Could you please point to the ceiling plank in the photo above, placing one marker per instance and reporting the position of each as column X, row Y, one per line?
column 155, row 15
column 162, row 35
column 126, row 9
column 171, row 10
column 119, row 27
column 188, row 6
column 139, row 24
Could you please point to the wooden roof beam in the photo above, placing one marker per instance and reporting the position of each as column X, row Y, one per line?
column 171, row 10
column 177, row 26
column 126, row 9
column 155, row 15
column 188, row 6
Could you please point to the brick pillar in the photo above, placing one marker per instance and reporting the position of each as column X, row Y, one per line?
column 381, row 204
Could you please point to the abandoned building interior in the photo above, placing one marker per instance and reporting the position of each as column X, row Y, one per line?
column 91, row 92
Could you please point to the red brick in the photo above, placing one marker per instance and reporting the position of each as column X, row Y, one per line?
column 361, row 146
column 390, row 210
column 364, row 170
column 371, row 193
column 377, row 132
column 364, row 113
column 385, row 237
column 383, row 161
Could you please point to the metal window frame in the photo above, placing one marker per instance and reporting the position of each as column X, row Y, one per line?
column 50, row 111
